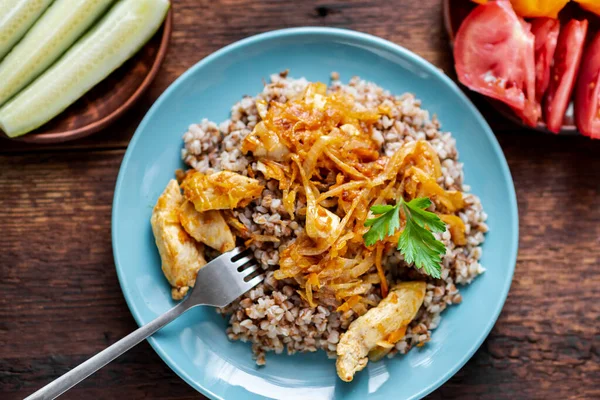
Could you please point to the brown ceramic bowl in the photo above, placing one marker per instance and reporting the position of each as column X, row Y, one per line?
column 455, row 11
column 108, row 100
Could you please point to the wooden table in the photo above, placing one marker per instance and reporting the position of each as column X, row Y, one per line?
column 61, row 302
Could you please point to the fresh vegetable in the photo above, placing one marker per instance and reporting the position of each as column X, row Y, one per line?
column 532, row 111
column 590, row 5
column 416, row 242
column 16, row 17
column 547, row 8
column 56, row 30
column 567, row 58
column 546, row 32
column 494, row 55
column 538, row 8
column 587, row 92
column 121, row 33
column 384, row 225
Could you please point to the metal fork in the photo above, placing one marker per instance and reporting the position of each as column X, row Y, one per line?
column 218, row 283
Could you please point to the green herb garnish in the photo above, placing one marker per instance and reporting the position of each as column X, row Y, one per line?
column 416, row 243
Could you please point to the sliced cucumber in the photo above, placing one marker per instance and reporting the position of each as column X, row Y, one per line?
column 16, row 17
column 114, row 39
column 53, row 33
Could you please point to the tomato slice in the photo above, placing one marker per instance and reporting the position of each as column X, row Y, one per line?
column 532, row 111
column 587, row 92
column 546, row 32
column 567, row 59
column 494, row 54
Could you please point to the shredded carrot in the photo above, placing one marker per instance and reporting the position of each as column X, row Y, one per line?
column 378, row 254
column 320, row 149
column 313, row 279
column 351, row 302
column 398, row 334
column 456, row 226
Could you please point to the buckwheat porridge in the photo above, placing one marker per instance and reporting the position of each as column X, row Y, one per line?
column 351, row 198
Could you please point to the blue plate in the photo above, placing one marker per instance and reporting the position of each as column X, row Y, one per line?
column 195, row 346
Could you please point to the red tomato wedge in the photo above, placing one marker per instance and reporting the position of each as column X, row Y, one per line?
column 546, row 32
column 533, row 110
column 494, row 55
column 587, row 92
column 567, row 58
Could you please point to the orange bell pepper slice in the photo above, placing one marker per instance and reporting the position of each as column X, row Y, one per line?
column 538, row 8
column 543, row 8
column 590, row 5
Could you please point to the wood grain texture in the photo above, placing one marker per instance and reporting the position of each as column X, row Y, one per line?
column 60, row 298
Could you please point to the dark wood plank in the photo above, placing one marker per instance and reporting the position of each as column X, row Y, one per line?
column 61, row 301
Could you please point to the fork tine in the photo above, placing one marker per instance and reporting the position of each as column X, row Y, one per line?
column 254, row 281
column 236, row 251
column 244, row 260
column 249, row 271
column 245, row 263
column 223, row 280
column 226, row 259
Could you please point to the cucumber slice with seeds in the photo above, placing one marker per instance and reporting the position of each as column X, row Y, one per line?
column 16, row 17
column 115, row 38
column 54, row 32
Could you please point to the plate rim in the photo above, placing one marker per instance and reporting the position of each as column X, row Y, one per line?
column 369, row 40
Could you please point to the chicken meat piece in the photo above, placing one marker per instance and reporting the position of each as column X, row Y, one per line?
column 208, row 227
column 181, row 255
column 220, row 191
column 374, row 328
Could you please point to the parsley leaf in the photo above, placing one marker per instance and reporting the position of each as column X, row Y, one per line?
column 424, row 218
column 416, row 243
column 384, row 225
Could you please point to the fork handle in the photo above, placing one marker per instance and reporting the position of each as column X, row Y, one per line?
column 82, row 371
